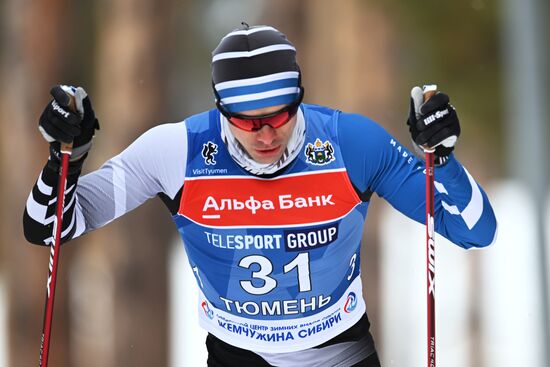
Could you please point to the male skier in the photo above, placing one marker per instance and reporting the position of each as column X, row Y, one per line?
column 269, row 195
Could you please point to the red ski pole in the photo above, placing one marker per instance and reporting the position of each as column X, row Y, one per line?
column 66, row 150
column 429, row 91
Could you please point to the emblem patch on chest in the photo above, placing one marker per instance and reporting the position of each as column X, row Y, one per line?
column 319, row 153
column 208, row 151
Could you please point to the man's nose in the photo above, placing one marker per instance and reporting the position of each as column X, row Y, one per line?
column 266, row 135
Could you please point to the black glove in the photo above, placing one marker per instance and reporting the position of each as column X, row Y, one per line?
column 59, row 124
column 433, row 124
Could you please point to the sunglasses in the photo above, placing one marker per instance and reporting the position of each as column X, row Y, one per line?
column 254, row 123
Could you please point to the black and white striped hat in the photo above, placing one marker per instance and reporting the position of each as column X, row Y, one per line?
column 255, row 67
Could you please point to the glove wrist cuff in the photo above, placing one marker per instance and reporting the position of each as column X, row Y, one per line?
column 75, row 164
column 439, row 160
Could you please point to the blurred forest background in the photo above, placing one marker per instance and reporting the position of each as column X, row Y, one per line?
column 146, row 62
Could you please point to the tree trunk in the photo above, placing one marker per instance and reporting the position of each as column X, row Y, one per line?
column 344, row 51
column 35, row 37
column 119, row 307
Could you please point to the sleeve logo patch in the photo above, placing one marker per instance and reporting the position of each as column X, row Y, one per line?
column 319, row 153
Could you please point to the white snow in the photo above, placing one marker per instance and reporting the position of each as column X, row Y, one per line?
column 3, row 325
column 187, row 339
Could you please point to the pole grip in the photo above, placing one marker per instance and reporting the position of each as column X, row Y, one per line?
column 67, row 148
column 429, row 94
column 429, row 91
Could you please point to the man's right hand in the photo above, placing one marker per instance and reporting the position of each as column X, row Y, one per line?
column 59, row 124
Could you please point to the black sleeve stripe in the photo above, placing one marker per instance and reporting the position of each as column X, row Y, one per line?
column 40, row 197
column 35, row 210
column 68, row 206
column 43, row 187
column 68, row 192
column 46, row 214
column 34, row 231
column 40, row 210
column 50, row 178
column 67, row 231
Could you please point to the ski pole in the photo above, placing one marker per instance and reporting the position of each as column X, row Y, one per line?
column 66, row 150
column 429, row 91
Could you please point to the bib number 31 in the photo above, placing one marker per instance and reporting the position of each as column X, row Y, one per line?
column 300, row 262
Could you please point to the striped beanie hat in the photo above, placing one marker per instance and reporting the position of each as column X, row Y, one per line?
column 255, row 67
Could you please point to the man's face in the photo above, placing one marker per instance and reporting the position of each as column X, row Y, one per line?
column 267, row 144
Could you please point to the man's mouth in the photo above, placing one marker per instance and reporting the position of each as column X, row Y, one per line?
column 267, row 151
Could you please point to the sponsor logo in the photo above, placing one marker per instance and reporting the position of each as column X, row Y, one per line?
column 351, row 303
column 52, row 255
column 319, row 153
column 436, row 116
column 244, row 241
column 208, row 151
column 317, row 197
column 209, row 171
column 61, row 111
column 431, row 256
column 207, row 311
column 213, row 207
column 300, row 240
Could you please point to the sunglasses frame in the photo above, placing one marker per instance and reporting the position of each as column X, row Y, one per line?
column 292, row 109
